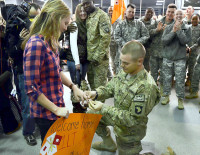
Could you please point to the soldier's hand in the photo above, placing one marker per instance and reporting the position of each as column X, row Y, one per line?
column 90, row 94
column 159, row 27
column 95, row 105
column 62, row 112
column 24, row 33
column 164, row 26
column 72, row 28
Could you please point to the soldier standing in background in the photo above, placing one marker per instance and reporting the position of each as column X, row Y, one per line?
column 130, row 29
column 150, row 24
column 189, row 12
column 174, row 38
column 135, row 94
column 113, row 44
column 195, row 81
column 156, row 58
column 193, row 47
column 98, row 41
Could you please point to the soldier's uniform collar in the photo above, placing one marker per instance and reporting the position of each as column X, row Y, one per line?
column 132, row 79
column 93, row 13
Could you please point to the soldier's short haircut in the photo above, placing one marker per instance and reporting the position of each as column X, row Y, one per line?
column 132, row 6
column 135, row 49
column 172, row 5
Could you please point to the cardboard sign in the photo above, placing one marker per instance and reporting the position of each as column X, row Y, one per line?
column 71, row 136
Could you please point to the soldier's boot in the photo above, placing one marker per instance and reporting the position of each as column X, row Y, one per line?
column 165, row 100
column 169, row 151
column 161, row 90
column 77, row 108
column 107, row 144
column 180, row 104
column 192, row 95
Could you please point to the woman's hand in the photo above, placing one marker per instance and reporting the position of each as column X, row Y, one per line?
column 62, row 112
column 79, row 94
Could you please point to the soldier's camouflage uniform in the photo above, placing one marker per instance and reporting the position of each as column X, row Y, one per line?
column 174, row 57
column 98, row 41
column 127, row 31
column 186, row 21
column 134, row 98
column 113, row 47
column 196, row 77
column 156, row 46
column 150, row 25
column 194, row 46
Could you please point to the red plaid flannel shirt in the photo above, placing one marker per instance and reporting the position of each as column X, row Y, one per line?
column 42, row 75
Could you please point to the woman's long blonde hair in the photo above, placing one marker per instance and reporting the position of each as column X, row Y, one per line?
column 47, row 23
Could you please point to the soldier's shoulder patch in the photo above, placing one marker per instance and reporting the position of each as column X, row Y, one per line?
column 138, row 109
column 139, row 98
column 105, row 27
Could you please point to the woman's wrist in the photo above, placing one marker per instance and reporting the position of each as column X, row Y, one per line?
column 71, row 85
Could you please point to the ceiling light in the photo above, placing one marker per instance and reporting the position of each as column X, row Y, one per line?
column 159, row 4
column 160, row 1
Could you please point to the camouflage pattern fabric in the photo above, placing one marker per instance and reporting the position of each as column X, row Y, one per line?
column 150, row 25
column 194, row 50
column 134, row 98
column 156, row 47
column 155, row 66
column 113, row 47
column 127, row 31
column 98, row 36
column 179, row 67
column 97, row 74
column 98, row 40
column 195, row 78
column 130, row 30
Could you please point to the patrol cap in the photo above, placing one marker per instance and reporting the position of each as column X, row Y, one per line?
column 84, row 1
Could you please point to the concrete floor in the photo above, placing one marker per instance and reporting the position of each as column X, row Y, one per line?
column 167, row 126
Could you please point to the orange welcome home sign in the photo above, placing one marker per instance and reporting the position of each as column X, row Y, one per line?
column 71, row 136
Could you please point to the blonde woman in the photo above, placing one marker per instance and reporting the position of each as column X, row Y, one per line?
column 42, row 73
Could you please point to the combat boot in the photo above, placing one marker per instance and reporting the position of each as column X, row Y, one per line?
column 165, row 100
column 192, row 95
column 107, row 144
column 180, row 104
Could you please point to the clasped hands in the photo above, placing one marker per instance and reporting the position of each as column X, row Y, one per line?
column 88, row 96
column 93, row 105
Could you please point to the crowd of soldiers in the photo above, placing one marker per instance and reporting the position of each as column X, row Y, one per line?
column 171, row 43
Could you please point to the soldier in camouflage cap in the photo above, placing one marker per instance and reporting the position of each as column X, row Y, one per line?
column 98, row 41
column 174, row 38
column 130, row 29
column 135, row 94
